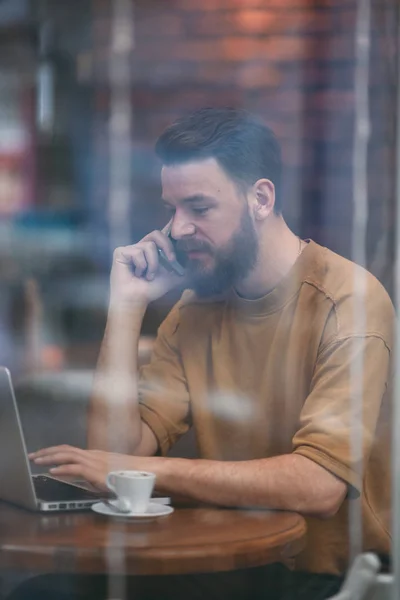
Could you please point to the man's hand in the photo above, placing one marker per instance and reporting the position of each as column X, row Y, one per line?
column 92, row 465
column 137, row 276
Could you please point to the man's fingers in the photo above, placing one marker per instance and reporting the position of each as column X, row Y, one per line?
column 151, row 256
column 134, row 257
column 91, row 475
column 161, row 241
column 63, row 457
column 142, row 258
column 52, row 449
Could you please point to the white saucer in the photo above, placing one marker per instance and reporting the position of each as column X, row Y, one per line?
column 153, row 511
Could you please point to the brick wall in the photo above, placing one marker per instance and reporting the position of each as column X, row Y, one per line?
column 290, row 61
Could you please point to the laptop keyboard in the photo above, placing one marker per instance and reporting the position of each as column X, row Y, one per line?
column 50, row 490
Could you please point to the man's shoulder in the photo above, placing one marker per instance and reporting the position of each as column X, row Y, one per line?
column 358, row 298
column 340, row 278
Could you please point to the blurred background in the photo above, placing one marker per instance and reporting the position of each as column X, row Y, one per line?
column 86, row 87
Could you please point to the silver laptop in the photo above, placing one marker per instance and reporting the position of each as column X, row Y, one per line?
column 17, row 484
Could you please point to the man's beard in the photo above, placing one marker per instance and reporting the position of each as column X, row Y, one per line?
column 233, row 262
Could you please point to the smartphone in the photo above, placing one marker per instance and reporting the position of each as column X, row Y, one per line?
column 172, row 266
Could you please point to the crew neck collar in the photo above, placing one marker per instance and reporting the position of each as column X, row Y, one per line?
column 283, row 291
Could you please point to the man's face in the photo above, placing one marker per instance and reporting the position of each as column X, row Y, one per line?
column 211, row 223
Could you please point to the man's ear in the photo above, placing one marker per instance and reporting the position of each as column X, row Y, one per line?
column 263, row 199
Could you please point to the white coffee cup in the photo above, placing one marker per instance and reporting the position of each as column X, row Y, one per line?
column 132, row 488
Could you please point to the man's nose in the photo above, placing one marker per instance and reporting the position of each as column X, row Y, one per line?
column 181, row 228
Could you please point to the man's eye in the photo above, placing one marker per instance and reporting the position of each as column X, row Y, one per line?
column 200, row 210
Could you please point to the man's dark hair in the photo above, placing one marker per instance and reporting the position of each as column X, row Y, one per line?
column 241, row 143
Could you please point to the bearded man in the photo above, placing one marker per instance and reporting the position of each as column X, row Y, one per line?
column 258, row 356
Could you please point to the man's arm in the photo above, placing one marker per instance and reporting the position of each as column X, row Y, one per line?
column 114, row 422
column 287, row 482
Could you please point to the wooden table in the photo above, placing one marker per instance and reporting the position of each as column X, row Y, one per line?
column 191, row 540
